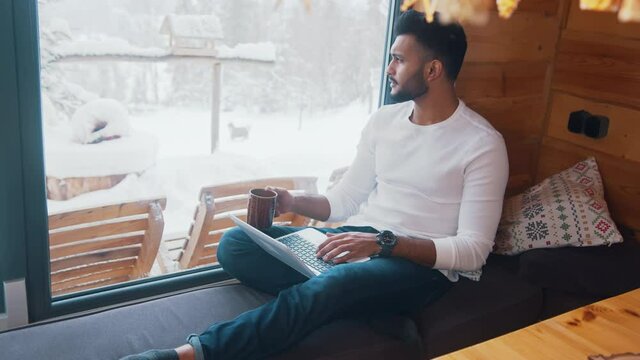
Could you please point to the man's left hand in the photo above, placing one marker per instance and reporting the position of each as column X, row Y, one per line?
column 357, row 245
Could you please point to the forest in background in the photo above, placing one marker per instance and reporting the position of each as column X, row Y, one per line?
column 325, row 58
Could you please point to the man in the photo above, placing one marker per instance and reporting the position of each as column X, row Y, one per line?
column 423, row 198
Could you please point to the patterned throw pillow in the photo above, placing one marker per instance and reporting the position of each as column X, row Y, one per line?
column 566, row 209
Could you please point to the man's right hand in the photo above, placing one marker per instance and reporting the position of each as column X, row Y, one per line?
column 284, row 201
column 310, row 205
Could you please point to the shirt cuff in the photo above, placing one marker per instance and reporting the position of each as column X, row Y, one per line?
column 445, row 253
column 334, row 205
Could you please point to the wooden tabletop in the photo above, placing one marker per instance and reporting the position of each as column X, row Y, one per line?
column 608, row 327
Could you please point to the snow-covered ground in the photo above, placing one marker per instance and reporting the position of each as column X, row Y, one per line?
column 277, row 146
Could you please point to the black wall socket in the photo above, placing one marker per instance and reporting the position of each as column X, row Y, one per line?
column 577, row 120
column 593, row 126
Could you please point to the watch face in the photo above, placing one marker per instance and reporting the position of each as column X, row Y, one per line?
column 387, row 237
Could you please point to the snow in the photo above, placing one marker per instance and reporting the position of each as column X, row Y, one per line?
column 193, row 26
column 98, row 120
column 65, row 158
column 49, row 112
column 265, row 51
column 167, row 154
column 277, row 146
column 102, row 45
column 59, row 25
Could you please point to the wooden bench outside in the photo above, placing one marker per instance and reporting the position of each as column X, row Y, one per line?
column 104, row 245
column 211, row 220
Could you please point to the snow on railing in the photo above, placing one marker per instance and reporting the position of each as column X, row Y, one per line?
column 259, row 51
column 114, row 47
column 106, row 47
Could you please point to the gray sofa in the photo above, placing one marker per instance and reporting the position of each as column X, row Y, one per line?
column 514, row 292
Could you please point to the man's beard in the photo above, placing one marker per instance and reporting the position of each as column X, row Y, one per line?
column 420, row 89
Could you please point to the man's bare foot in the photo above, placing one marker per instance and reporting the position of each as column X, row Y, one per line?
column 186, row 352
column 168, row 354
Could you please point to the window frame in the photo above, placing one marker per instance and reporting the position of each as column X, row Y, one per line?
column 12, row 245
column 30, row 155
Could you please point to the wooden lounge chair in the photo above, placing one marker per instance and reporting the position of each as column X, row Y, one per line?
column 211, row 219
column 104, row 245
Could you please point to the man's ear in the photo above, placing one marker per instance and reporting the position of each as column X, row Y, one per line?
column 433, row 70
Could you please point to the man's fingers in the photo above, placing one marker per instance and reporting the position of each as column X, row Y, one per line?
column 329, row 246
column 345, row 258
column 275, row 188
column 323, row 250
column 330, row 238
column 337, row 251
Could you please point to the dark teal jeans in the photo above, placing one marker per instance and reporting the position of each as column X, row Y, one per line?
column 373, row 288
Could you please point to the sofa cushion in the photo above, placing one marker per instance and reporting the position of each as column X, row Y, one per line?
column 472, row 311
column 111, row 334
column 597, row 271
column 165, row 323
column 566, row 209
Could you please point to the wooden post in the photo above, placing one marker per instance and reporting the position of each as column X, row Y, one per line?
column 215, row 105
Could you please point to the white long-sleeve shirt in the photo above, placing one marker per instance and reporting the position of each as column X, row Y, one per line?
column 443, row 182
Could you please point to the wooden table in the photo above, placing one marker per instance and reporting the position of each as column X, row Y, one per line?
column 611, row 326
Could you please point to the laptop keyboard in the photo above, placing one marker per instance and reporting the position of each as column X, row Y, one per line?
column 305, row 251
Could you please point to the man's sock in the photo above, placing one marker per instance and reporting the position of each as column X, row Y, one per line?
column 168, row 354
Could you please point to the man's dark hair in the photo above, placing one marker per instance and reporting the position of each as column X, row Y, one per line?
column 447, row 41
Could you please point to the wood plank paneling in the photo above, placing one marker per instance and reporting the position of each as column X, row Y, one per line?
column 480, row 80
column 526, row 36
column 600, row 22
column 511, row 79
column 506, row 79
column 621, row 177
column 599, row 67
column 514, row 116
column 624, row 126
column 523, row 155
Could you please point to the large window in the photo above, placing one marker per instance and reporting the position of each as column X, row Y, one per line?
column 146, row 103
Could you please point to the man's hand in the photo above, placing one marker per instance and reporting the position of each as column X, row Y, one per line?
column 310, row 205
column 284, row 201
column 357, row 245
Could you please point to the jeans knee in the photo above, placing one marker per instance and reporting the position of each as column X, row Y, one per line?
column 232, row 245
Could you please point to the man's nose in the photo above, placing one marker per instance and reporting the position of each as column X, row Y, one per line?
column 390, row 69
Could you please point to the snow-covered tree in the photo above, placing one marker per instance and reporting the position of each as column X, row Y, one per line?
column 64, row 95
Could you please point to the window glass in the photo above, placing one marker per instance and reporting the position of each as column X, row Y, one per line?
column 148, row 102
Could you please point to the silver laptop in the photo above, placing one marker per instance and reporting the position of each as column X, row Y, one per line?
column 298, row 249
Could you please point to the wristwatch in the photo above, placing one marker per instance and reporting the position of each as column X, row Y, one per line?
column 387, row 241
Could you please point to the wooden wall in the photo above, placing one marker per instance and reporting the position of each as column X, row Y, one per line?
column 597, row 68
column 526, row 74
column 506, row 79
